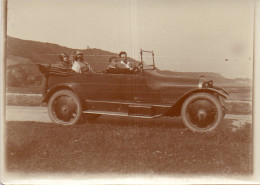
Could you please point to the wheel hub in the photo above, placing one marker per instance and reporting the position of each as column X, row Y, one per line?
column 64, row 109
column 202, row 114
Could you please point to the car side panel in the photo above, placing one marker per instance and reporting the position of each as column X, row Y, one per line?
column 98, row 86
column 161, row 90
column 90, row 86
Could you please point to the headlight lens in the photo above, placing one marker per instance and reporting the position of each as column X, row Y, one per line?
column 204, row 83
column 201, row 81
column 208, row 84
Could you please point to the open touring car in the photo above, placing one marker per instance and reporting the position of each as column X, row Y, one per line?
column 146, row 94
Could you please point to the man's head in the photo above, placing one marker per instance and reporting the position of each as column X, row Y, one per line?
column 64, row 57
column 123, row 56
column 78, row 56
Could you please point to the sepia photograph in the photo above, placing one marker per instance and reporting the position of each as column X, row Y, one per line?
column 128, row 91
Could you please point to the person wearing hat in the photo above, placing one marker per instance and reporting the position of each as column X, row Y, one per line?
column 64, row 61
column 79, row 65
column 64, row 64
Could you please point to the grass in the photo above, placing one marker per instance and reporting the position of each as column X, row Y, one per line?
column 123, row 146
column 238, row 108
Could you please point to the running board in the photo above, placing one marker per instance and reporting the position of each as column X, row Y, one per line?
column 118, row 114
column 125, row 108
column 126, row 103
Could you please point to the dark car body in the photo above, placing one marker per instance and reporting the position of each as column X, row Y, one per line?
column 97, row 91
column 147, row 94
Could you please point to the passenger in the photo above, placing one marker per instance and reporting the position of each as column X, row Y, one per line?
column 113, row 66
column 64, row 66
column 64, row 61
column 79, row 65
column 113, row 63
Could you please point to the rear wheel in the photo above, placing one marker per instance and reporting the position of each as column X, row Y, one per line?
column 202, row 112
column 65, row 107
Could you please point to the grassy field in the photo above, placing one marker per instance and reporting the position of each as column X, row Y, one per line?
column 123, row 146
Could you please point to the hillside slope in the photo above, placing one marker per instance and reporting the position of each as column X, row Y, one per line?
column 48, row 53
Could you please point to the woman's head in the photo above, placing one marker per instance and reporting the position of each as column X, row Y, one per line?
column 78, row 56
column 64, row 57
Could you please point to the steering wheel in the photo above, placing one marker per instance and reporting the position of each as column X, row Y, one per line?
column 136, row 70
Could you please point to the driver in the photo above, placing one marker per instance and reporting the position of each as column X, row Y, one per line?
column 124, row 64
column 79, row 65
column 123, row 61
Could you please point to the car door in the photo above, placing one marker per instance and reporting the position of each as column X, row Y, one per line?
column 146, row 91
column 109, row 87
column 101, row 86
column 126, row 91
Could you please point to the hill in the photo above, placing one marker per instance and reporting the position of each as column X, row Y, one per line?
column 48, row 53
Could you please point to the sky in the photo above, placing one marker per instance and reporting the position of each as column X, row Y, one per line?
column 185, row 35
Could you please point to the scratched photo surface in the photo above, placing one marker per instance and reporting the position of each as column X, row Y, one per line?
column 176, row 102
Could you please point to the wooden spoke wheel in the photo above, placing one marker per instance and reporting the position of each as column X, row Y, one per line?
column 202, row 112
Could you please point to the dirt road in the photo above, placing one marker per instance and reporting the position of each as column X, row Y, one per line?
column 27, row 113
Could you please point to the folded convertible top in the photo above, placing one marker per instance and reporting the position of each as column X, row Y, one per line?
column 55, row 69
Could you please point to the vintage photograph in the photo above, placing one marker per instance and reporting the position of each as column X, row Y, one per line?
column 97, row 89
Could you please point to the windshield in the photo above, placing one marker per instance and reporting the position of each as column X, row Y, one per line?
column 147, row 59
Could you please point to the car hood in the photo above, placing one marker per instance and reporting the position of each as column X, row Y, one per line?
column 157, row 80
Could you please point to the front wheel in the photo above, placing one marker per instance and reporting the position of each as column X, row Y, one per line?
column 202, row 112
column 65, row 107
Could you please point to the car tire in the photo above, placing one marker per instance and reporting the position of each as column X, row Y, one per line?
column 202, row 112
column 64, row 107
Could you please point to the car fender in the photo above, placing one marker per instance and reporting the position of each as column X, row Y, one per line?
column 175, row 109
column 61, row 86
